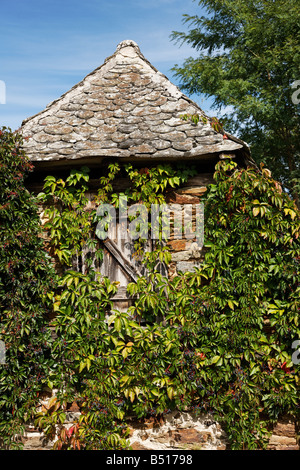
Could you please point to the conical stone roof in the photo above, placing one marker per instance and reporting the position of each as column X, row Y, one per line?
column 125, row 108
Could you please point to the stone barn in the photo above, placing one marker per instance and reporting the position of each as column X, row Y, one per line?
column 127, row 111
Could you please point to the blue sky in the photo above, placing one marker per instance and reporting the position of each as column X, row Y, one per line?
column 50, row 45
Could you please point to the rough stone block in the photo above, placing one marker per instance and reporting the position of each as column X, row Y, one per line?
column 282, row 441
column 138, row 446
column 186, row 266
column 145, row 148
column 180, row 256
column 185, row 145
column 85, row 114
column 175, row 198
column 179, row 245
column 193, row 191
column 285, row 428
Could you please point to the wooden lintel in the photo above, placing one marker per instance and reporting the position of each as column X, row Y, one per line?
column 224, row 155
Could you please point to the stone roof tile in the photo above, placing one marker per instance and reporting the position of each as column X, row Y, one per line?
column 124, row 108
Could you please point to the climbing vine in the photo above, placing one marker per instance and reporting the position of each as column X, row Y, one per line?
column 224, row 344
column 235, row 319
column 228, row 326
column 26, row 276
column 91, row 347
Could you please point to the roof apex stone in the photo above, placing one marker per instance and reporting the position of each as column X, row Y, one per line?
column 126, row 109
column 127, row 43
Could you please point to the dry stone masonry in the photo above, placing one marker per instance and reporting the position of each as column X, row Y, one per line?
column 175, row 431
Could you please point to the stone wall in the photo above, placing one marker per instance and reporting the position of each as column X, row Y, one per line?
column 185, row 251
column 178, row 430
column 285, row 435
column 175, row 431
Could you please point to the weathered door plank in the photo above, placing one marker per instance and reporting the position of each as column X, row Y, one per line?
column 123, row 262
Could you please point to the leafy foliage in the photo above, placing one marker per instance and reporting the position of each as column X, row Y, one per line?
column 249, row 63
column 66, row 215
column 25, row 276
column 228, row 326
column 224, row 338
column 90, row 349
column 231, row 324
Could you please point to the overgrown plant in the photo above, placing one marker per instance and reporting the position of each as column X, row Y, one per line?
column 90, row 349
column 235, row 319
column 25, row 279
column 225, row 343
